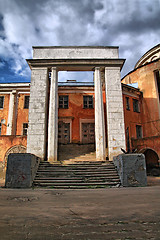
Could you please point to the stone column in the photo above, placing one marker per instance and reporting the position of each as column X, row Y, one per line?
column 53, row 117
column 36, row 140
column 114, row 109
column 99, row 117
column 11, row 112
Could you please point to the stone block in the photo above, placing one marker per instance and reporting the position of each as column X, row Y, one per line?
column 75, row 52
column 131, row 169
column 21, row 170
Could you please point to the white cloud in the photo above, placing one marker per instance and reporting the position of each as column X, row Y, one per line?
column 132, row 25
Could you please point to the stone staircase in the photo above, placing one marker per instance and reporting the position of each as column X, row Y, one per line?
column 77, row 175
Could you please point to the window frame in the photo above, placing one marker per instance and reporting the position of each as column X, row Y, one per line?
column 26, row 103
column 63, row 105
column 128, row 104
column 3, row 102
column 139, row 130
column 25, row 129
column 136, row 105
column 87, row 102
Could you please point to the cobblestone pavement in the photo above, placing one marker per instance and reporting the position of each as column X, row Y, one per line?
column 117, row 213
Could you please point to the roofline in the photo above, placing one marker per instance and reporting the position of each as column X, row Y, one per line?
column 133, row 88
column 140, row 67
column 14, row 84
column 75, row 47
column 89, row 63
column 150, row 50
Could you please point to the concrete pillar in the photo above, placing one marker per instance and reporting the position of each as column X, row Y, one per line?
column 53, row 117
column 115, row 114
column 99, row 117
column 10, row 123
column 38, row 105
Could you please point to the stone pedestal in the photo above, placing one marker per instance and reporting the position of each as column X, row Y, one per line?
column 131, row 169
column 21, row 170
column 53, row 117
column 99, row 117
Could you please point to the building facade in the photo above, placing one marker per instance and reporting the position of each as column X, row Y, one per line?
column 146, row 75
column 105, row 114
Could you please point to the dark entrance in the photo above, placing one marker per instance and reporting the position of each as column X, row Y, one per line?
column 63, row 133
column 88, row 133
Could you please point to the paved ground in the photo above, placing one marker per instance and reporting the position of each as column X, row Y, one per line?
column 117, row 213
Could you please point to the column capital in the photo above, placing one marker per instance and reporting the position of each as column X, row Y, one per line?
column 54, row 68
column 14, row 91
column 101, row 69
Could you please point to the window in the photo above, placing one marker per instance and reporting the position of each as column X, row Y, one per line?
column 26, row 102
column 139, row 131
column 0, row 128
column 1, row 101
column 25, row 128
column 127, row 103
column 136, row 105
column 87, row 101
column 63, row 102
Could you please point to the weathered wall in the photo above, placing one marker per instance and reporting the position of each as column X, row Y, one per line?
column 76, row 112
column 132, row 118
column 22, row 114
column 145, row 78
column 147, row 143
column 6, row 144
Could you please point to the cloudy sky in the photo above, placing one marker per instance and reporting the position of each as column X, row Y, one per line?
column 133, row 25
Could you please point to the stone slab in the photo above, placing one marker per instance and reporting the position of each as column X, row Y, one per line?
column 75, row 52
column 21, row 170
column 131, row 169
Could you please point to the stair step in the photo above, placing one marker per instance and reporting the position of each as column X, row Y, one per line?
column 80, row 174
column 51, row 176
column 77, row 167
column 75, row 181
column 77, row 184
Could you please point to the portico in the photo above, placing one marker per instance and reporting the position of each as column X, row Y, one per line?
column 43, row 112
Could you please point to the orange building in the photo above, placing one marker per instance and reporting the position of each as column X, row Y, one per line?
column 146, row 75
column 76, row 115
column 76, row 112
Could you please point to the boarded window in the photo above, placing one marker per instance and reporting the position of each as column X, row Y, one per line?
column 25, row 129
column 139, row 131
column 136, row 105
column 63, row 102
column 87, row 101
column 1, row 101
column 26, row 102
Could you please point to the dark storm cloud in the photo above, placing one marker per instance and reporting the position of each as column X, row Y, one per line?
column 133, row 25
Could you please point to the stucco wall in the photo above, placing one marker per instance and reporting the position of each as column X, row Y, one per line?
column 6, row 143
column 145, row 77
column 22, row 114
